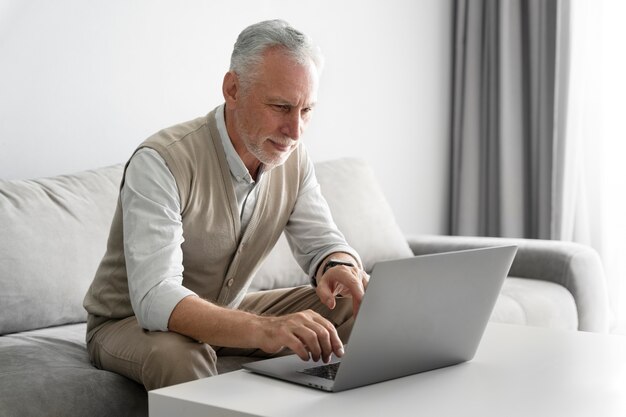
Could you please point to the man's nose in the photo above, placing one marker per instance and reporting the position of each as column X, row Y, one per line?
column 293, row 126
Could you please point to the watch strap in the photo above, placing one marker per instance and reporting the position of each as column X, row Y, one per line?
column 336, row 262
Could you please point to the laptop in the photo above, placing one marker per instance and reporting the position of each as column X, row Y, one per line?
column 418, row 314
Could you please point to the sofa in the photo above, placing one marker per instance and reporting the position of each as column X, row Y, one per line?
column 53, row 235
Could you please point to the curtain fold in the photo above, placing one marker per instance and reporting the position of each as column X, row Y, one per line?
column 503, row 118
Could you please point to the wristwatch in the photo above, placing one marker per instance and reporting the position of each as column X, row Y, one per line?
column 335, row 262
column 331, row 263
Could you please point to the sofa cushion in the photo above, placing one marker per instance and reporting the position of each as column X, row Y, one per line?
column 54, row 231
column 361, row 212
column 49, row 370
column 535, row 302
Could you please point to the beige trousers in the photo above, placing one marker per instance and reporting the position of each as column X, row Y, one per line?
column 160, row 359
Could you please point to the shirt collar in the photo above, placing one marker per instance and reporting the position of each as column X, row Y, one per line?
column 237, row 168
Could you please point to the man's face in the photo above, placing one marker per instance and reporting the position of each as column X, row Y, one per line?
column 271, row 114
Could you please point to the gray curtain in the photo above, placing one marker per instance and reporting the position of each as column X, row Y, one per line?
column 504, row 117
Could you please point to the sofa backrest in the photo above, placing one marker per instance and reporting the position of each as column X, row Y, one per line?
column 53, row 233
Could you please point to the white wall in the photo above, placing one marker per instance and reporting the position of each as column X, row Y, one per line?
column 82, row 83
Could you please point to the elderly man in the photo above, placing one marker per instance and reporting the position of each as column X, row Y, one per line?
column 201, row 205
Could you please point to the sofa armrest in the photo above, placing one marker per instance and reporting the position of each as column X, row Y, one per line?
column 575, row 266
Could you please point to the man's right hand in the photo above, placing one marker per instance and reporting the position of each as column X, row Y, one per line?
column 306, row 333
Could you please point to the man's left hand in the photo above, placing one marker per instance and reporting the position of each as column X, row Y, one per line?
column 343, row 281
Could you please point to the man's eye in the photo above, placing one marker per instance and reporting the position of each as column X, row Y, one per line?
column 282, row 107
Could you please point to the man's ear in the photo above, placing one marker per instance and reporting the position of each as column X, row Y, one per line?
column 230, row 89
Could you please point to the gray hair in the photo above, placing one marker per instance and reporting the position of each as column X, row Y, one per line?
column 254, row 40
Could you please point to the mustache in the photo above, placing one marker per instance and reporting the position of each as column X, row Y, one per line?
column 284, row 141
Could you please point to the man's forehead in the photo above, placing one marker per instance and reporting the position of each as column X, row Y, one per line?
column 287, row 81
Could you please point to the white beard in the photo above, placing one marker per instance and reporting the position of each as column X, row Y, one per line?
column 268, row 159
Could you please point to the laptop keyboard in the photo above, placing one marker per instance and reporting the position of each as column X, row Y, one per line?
column 325, row 371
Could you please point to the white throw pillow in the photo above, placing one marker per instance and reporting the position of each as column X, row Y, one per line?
column 361, row 212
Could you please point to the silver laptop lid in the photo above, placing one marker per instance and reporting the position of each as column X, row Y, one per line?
column 423, row 313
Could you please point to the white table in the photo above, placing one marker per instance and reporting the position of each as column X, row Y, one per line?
column 518, row 371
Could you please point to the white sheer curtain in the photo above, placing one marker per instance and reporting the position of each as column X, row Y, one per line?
column 593, row 152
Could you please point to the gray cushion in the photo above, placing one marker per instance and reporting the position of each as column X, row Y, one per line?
column 361, row 212
column 54, row 232
column 47, row 373
column 536, row 302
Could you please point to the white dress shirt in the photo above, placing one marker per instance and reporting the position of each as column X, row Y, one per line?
column 153, row 230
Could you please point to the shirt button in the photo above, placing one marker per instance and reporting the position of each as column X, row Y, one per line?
column 230, row 282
